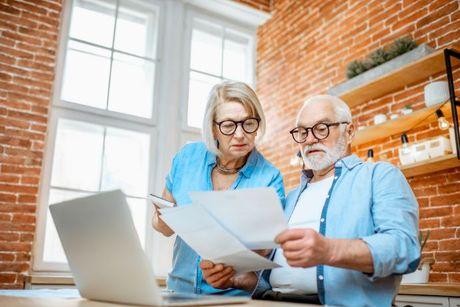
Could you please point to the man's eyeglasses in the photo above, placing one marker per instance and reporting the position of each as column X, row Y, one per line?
column 228, row 127
column 320, row 131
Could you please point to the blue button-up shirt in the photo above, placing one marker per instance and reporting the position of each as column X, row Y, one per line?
column 191, row 171
column 373, row 202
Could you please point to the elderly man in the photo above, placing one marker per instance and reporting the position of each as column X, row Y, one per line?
column 352, row 225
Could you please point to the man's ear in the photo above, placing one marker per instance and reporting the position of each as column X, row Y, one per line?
column 350, row 132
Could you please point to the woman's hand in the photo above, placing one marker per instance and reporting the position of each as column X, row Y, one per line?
column 217, row 275
column 223, row 277
column 157, row 223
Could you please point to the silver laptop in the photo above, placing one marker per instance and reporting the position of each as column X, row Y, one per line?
column 106, row 257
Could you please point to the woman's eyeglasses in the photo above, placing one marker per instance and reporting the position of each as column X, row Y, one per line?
column 320, row 131
column 228, row 127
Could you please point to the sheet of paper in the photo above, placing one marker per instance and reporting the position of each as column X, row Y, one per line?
column 211, row 241
column 254, row 216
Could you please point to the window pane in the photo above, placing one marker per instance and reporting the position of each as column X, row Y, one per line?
column 53, row 251
column 77, row 155
column 136, row 29
column 200, row 86
column 93, row 21
column 131, row 86
column 206, row 53
column 86, row 75
column 237, row 58
column 138, row 209
column 126, row 162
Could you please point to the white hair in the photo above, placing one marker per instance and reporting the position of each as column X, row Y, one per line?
column 341, row 109
column 230, row 91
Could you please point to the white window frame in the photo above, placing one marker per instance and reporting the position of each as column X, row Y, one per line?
column 166, row 127
column 224, row 22
column 87, row 114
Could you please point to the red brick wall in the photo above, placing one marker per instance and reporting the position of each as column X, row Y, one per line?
column 28, row 42
column 304, row 49
column 263, row 5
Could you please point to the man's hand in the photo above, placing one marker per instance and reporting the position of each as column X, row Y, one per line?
column 217, row 275
column 304, row 247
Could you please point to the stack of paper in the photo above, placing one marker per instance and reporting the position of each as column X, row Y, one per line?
column 224, row 226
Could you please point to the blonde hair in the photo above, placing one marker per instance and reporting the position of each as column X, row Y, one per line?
column 230, row 91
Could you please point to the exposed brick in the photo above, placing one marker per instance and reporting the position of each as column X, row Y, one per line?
column 8, row 237
column 451, row 221
column 15, row 246
column 7, row 278
column 450, row 245
column 301, row 51
column 7, row 257
column 438, row 277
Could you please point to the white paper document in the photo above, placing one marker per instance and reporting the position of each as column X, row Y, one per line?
column 224, row 226
column 254, row 216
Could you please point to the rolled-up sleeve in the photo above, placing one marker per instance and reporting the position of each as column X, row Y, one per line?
column 278, row 185
column 170, row 178
column 394, row 246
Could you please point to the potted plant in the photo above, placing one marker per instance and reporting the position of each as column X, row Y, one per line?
column 421, row 274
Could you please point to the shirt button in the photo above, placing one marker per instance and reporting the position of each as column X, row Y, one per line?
column 322, row 220
column 336, row 177
column 320, row 277
column 327, row 196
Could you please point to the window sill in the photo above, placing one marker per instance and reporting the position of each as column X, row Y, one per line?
column 39, row 279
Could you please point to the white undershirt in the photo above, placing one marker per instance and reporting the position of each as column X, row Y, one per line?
column 307, row 214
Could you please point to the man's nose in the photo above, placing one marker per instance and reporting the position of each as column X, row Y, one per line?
column 311, row 139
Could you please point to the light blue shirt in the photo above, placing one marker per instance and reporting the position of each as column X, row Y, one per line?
column 191, row 171
column 373, row 202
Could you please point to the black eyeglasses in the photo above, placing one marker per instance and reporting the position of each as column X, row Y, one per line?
column 228, row 127
column 320, row 131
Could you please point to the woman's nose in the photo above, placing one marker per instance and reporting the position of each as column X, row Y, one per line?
column 239, row 131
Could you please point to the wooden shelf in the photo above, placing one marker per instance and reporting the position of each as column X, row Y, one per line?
column 400, row 124
column 431, row 166
column 440, row 289
column 408, row 74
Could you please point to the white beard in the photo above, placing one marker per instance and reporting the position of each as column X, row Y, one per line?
column 319, row 162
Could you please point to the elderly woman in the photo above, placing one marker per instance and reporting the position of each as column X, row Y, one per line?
column 226, row 160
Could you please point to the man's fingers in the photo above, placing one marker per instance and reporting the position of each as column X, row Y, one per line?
column 289, row 235
column 298, row 264
column 293, row 245
column 294, row 255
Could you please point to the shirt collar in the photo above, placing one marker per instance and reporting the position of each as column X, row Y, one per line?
column 247, row 169
column 349, row 162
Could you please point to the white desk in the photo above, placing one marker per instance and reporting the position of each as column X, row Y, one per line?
column 13, row 301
